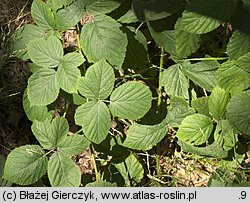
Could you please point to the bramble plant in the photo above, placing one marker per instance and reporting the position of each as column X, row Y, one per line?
column 124, row 97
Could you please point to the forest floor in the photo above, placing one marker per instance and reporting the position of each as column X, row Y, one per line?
column 14, row 125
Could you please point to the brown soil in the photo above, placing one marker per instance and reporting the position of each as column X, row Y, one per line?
column 14, row 126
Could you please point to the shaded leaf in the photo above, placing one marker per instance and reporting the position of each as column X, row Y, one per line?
column 238, row 45
column 131, row 168
column 224, row 135
column 56, row 4
column 232, row 78
column 137, row 55
column 238, row 111
column 101, row 184
column 3, row 182
column 186, row 42
column 202, row 73
column 201, row 105
column 22, row 37
column 128, row 17
column 201, row 16
column 244, row 62
column 78, row 99
column 35, row 112
column 102, row 6
column 165, row 38
column 212, row 150
column 178, row 110
column 155, row 9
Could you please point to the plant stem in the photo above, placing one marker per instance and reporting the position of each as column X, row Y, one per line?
column 66, row 107
column 158, row 165
column 97, row 175
column 160, row 75
column 79, row 44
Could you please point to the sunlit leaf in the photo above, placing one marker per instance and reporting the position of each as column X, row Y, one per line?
column 22, row 162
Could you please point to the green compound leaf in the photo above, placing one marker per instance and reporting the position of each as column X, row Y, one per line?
column 144, row 137
column 202, row 16
column 212, row 150
column 43, row 87
column 165, row 38
column 201, row 106
column 63, row 172
column 46, row 53
column 195, row 129
column 128, row 17
column 68, row 73
column 25, row 165
column 137, row 51
column 78, row 99
column 217, row 102
column 73, row 145
column 34, row 68
column 73, row 59
column 232, row 78
column 131, row 100
column 202, row 73
column 101, row 38
column 178, row 110
column 22, row 37
column 175, row 82
column 42, row 15
column 186, row 43
column 98, row 82
column 39, row 113
column 50, row 134
column 67, row 77
column 43, row 133
column 131, row 168
column 102, row 6
column 60, row 129
column 238, row 111
column 155, row 9
column 244, row 62
column 68, row 17
column 56, row 4
column 101, row 184
column 224, row 135
column 238, row 45
column 94, row 117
